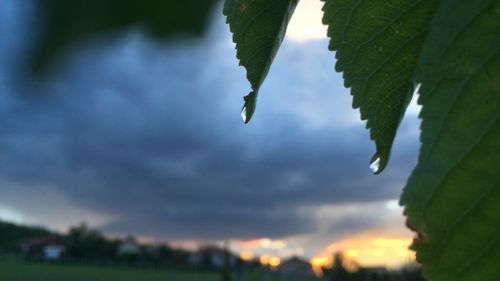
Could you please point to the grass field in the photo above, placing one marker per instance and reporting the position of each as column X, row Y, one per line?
column 21, row 271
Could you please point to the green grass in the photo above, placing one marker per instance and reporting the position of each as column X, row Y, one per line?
column 21, row 271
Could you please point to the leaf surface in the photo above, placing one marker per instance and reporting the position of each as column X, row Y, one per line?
column 258, row 28
column 377, row 45
column 452, row 48
column 453, row 196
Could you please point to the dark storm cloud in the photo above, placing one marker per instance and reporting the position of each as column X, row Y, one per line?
column 212, row 222
column 150, row 133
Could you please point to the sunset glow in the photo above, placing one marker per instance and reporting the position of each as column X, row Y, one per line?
column 359, row 250
column 318, row 263
column 368, row 250
column 247, row 256
column 274, row 262
column 262, row 243
column 264, row 260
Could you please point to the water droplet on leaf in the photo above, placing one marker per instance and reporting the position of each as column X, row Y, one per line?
column 249, row 107
column 375, row 163
column 244, row 114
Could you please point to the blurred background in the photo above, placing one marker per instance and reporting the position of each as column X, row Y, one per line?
column 124, row 157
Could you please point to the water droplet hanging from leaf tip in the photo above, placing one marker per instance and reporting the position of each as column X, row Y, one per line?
column 244, row 114
column 375, row 164
column 249, row 107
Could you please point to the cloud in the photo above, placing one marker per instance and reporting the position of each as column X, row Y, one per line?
column 44, row 205
column 148, row 133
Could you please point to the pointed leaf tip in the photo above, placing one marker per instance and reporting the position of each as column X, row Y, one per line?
column 377, row 48
column 258, row 28
column 249, row 107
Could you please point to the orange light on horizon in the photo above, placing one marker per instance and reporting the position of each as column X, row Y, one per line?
column 247, row 256
column 384, row 242
column 371, row 250
column 318, row 263
column 264, row 260
column 352, row 253
column 274, row 262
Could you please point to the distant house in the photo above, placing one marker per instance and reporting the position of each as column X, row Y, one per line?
column 195, row 259
column 296, row 266
column 210, row 256
column 129, row 247
column 48, row 248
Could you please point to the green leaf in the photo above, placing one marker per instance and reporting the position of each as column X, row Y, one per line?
column 258, row 28
column 377, row 45
column 68, row 22
column 452, row 49
column 453, row 196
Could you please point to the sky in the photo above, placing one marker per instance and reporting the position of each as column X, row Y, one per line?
column 144, row 137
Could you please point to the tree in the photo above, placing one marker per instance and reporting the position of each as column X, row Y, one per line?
column 12, row 235
column 338, row 271
column 86, row 244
